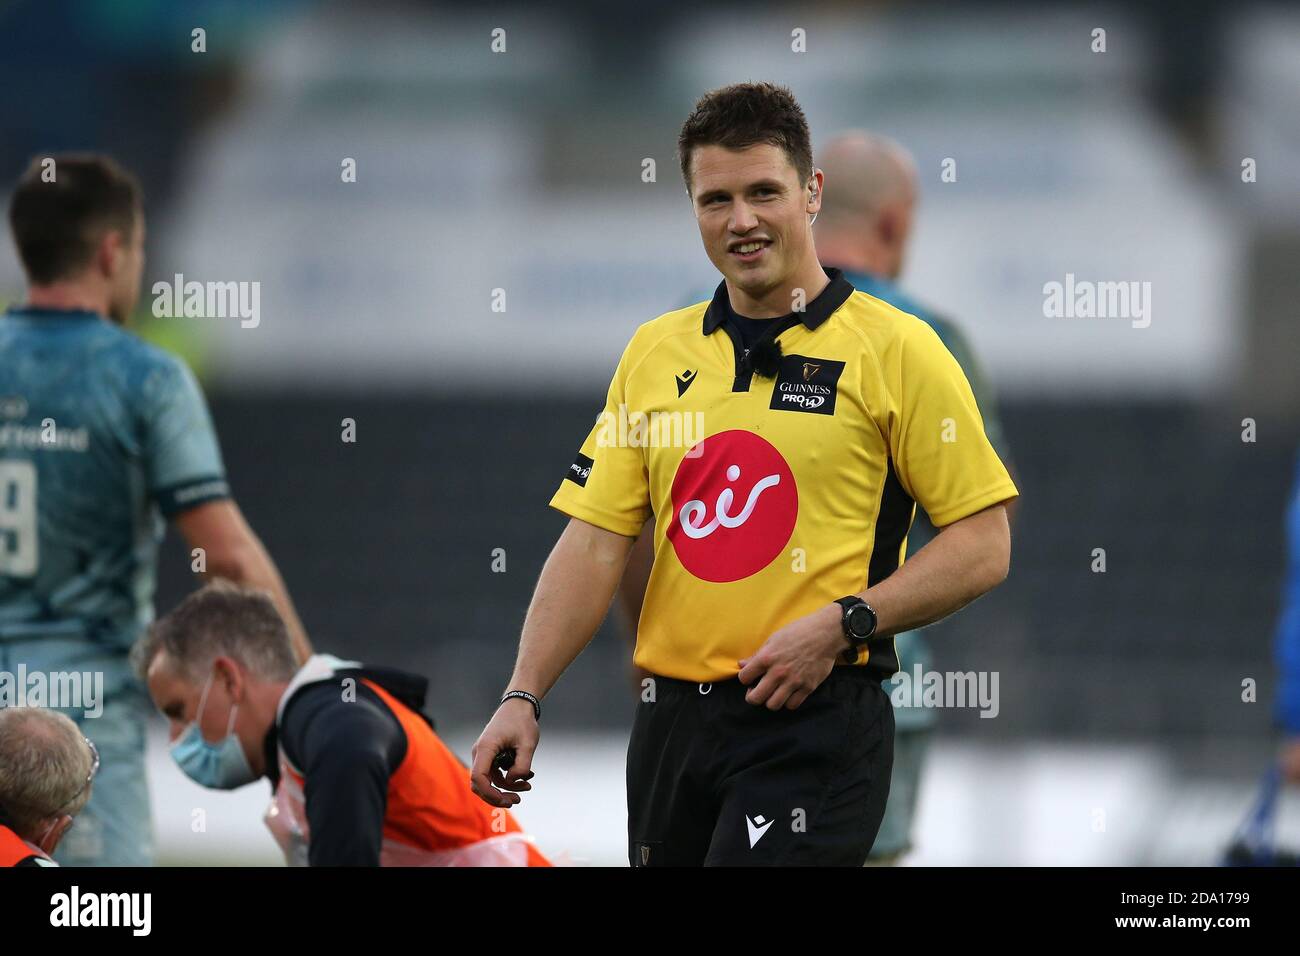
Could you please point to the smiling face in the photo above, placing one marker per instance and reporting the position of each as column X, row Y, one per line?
column 753, row 213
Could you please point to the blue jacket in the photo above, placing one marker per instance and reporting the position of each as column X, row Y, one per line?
column 1288, row 627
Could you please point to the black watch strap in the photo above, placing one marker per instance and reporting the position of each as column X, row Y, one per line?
column 855, row 642
column 537, row 704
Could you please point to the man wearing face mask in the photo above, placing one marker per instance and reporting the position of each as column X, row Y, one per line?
column 359, row 777
column 46, row 771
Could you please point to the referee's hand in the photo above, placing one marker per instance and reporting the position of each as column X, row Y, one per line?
column 794, row 661
column 512, row 727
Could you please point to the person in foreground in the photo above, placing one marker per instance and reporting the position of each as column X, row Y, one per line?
column 825, row 416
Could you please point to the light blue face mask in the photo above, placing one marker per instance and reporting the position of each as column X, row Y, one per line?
column 220, row 766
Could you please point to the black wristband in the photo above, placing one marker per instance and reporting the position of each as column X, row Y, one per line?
column 537, row 704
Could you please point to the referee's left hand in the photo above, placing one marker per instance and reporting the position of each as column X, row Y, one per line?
column 512, row 727
column 794, row 661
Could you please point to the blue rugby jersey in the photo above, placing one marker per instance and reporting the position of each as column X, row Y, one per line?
column 102, row 436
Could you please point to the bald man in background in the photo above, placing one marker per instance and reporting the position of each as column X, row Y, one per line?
column 863, row 228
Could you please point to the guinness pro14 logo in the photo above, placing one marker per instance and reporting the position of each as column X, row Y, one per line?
column 806, row 384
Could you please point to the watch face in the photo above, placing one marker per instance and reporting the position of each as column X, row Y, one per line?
column 861, row 621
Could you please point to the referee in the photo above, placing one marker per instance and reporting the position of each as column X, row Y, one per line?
column 763, row 736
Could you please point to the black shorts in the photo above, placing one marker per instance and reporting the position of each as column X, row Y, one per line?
column 715, row 781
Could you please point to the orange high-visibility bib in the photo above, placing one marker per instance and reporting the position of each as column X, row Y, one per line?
column 14, row 849
column 432, row 818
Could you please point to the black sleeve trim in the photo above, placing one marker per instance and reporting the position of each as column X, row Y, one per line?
column 580, row 470
column 190, row 494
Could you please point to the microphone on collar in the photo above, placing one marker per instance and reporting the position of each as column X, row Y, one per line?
column 765, row 358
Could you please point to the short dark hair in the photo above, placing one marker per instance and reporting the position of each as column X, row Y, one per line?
column 220, row 619
column 744, row 115
column 57, row 224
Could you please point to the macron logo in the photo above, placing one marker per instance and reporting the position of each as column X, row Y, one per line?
column 757, row 827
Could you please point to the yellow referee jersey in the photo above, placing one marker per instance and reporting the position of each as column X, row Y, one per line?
column 775, row 496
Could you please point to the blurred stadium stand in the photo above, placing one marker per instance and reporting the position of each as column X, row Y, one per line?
column 387, row 547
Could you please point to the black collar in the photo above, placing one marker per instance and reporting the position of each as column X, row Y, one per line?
column 818, row 311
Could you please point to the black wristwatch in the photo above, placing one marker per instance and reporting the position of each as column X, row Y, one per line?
column 859, row 623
